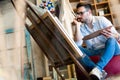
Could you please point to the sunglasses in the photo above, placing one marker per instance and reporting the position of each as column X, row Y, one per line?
column 80, row 13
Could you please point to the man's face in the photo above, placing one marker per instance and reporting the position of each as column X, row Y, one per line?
column 82, row 14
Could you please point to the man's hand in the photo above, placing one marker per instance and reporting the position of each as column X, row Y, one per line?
column 107, row 33
column 75, row 22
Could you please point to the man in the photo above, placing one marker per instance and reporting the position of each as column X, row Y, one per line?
column 105, row 45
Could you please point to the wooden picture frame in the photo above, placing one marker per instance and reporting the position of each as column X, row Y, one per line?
column 53, row 39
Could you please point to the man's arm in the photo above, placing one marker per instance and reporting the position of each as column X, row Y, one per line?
column 77, row 34
column 95, row 34
column 111, row 32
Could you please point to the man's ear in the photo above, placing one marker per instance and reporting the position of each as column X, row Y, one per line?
column 90, row 12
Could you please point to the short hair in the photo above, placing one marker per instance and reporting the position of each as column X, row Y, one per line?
column 86, row 5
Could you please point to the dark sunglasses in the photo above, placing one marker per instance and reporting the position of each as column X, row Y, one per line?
column 80, row 13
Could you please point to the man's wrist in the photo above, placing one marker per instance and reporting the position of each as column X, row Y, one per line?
column 118, row 38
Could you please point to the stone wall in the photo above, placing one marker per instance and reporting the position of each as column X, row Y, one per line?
column 11, row 42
